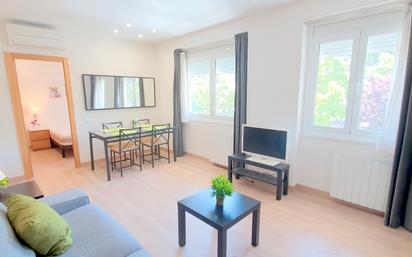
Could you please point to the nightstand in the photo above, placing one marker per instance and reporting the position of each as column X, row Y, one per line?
column 39, row 139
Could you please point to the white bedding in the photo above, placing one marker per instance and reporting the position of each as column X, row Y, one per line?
column 61, row 136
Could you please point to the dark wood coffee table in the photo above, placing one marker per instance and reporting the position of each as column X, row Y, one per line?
column 203, row 206
column 29, row 188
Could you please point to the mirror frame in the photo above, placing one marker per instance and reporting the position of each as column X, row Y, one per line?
column 118, row 108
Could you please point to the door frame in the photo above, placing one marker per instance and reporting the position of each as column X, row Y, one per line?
column 18, row 110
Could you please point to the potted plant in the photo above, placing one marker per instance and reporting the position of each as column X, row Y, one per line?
column 4, row 180
column 221, row 187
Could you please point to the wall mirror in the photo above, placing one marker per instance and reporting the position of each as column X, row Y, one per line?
column 118, row 92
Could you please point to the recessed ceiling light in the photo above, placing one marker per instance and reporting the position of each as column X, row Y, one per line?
column 154, row 30
column 115, row 31
column 128, row 25
column 140, row 35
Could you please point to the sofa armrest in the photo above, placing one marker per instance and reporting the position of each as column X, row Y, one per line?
column 67, row 201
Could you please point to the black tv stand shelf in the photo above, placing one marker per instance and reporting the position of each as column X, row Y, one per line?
column 279, row 177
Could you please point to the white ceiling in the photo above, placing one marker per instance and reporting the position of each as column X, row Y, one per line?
column 169, row 17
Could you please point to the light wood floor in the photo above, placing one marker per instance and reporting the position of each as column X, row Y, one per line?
column 302, row 224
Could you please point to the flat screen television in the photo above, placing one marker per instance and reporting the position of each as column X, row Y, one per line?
column 264, row 142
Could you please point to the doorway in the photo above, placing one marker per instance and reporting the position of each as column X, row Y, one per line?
column 42, row 101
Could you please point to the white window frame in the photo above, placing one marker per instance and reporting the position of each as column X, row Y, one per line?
column 370, row 32
column 347, row 30
column 210, row 54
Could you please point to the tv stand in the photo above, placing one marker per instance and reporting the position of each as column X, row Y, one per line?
column 269, row 162
column 279, row 178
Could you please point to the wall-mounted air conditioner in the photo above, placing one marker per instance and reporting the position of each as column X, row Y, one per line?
column 28, row 35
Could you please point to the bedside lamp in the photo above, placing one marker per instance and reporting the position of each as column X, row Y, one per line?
column 4, row 180
column 35, row 120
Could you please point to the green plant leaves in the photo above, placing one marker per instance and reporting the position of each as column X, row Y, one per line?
column 221, row 187
column 4, row 182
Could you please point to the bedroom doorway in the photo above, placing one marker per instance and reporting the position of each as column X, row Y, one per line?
column 43, row 107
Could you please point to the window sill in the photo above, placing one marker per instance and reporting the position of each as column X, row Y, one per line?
column 226, row 122
column 372, row 141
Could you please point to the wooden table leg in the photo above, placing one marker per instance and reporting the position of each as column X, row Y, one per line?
column 181, row 225
column 91, row 151
column 106, row 156
column 255, row 227
column 222, row 243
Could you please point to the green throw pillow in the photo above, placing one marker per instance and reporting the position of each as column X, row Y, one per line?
column 43, row 229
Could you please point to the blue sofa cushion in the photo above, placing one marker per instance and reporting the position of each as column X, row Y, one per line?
column 9, row 243
column 96, row 234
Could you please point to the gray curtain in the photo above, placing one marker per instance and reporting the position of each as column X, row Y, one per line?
column 141, row 93
column 92, row 91
column 399, row 208
column 177, row 112
column 118, row 92
column 241, row 50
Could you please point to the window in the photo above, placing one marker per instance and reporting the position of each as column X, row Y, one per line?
column 131, row 92
column 211, row 83
column 350, row 77
column 199, row 84
column 99, row 95
column 225, row 87
column 377, row 79
column 333, row 84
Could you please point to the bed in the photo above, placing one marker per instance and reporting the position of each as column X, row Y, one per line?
column 62, row 139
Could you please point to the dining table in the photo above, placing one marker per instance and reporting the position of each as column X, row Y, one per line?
column 112, row 135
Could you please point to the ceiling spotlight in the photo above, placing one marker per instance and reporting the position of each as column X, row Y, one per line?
column 154, row 30
column 115, row 31
column 128, row 25
column 140, row 35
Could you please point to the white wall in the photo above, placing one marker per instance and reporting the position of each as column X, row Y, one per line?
column 88, row 52
column 35, row 78
column 275, row 47
column 211, row 140
column 102, row 56
column 315, row 155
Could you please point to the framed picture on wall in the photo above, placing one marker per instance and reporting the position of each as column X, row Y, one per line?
column 54, row 92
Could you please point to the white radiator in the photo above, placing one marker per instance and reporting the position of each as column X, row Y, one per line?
column 360, row 180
